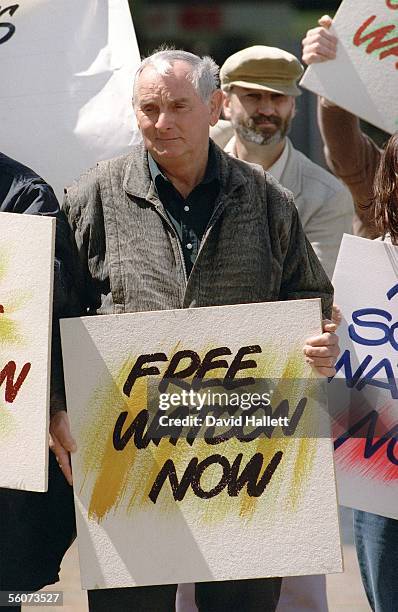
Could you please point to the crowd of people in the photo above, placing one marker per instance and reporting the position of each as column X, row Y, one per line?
column 241, row 217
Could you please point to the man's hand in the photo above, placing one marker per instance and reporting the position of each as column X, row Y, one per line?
column 322, row 351
column 61, row 442
column 319, row 44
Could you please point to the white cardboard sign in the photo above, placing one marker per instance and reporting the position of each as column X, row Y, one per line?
column 26, row 284
column 364, row 394
column 158, row 503
column 363, row 78
column 67, row 72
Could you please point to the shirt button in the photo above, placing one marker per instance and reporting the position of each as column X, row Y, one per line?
column 186, row 208
column 189, row 246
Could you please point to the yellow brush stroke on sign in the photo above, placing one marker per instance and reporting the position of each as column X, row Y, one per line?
column 9, row 328
column 7, row 422
column 123, row 479
column 110, row 485
column 4, row 260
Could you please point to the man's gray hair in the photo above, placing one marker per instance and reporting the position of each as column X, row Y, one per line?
column 204, row 74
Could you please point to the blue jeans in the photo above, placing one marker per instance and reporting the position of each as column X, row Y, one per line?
column 376, row 539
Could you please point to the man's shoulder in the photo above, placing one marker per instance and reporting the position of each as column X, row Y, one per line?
column 91, row 175
column 23, row 190
column 222, row 132
column 316, row 177
column 259, row 189
column 14, row 170
column 87, row 187
column 247, row 171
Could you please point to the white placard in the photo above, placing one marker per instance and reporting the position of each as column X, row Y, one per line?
column 67, row 72
column 26, row 284
column 151, row 510
column 364, row 394
column 363, row 78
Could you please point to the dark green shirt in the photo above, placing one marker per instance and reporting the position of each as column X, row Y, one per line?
column 189, row 216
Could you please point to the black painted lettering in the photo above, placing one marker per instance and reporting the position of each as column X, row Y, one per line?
column 9, row 27
column 137, row 371
column 172, row 373
column 211, row 363
column 239, row 364
column 251, row 473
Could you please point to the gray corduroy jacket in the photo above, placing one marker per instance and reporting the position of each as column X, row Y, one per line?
column 127, row 256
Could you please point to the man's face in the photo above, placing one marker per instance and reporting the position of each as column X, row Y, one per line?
column 259, row 116
column 173, row 119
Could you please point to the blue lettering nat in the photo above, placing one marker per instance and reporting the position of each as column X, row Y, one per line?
column 382, row 369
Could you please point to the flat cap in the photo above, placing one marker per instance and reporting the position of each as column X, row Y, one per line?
column 261, row 67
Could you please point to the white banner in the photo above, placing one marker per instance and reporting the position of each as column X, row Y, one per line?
column 364, row 393
column 67, row 71
column 363, row 78
column 26, row 287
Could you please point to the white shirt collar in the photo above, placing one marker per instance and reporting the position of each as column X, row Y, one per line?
column 276, row 169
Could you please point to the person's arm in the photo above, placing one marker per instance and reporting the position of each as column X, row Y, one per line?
column 349, row 153
column 68, row 302
column 75, row 234
column 354, row 158
column 29, row 194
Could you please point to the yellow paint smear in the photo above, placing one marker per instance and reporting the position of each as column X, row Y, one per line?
column 118, row 479
column 7, row 422
column 4, row 260
column 8, row 330
column 112, row 479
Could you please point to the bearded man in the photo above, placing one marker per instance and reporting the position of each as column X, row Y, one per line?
column 260, row 90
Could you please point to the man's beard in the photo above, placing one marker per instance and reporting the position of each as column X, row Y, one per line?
column 251, row 129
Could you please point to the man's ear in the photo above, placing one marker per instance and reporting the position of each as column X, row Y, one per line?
column 227, row 106
column 294, row 108
column 215, row 106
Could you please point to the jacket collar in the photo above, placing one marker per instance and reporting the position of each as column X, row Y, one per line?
column 137, row 178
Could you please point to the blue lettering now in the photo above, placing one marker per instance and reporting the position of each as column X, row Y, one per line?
column 371, row 446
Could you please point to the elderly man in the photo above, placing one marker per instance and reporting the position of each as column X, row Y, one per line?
column 178, row 223
column 260, row 86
